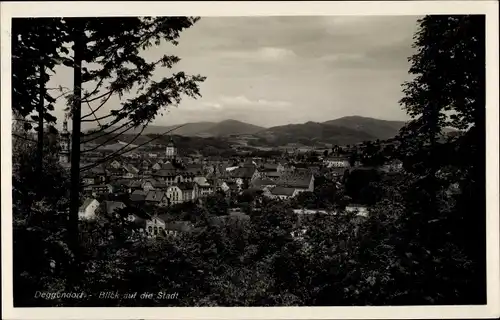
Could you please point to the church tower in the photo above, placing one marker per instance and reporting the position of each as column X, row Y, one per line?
column 171, row 151
column 64, row 143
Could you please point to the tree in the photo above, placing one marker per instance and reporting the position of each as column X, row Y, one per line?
column 111, row 49
column 36, row 49
column 448, row 90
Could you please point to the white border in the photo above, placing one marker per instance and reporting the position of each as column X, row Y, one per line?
column 40, row 9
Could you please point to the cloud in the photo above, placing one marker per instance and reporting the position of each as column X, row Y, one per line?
column 242, row 101
column 213, row 105
column 261, row 54
column 271, row 53
column 343, row 57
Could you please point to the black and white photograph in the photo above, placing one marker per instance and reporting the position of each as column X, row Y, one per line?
column 306, row 160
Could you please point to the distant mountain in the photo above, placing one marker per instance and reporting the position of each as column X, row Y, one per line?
column 203, row 129
column 380, row 129
column 312, row 133
column 232, row 127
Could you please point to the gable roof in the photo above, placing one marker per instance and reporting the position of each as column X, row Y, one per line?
column 165, row 173
column 137, row 196
column 295, row 180
column 282, row 191
column 185, row 186
column 130, row 168
column 244, row 172
column 135, row 184
column 86, row 203
column 112, row 206
column 155, row 196
column 155, row 183
column 263, row 182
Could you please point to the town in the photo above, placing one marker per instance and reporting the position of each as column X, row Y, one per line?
column 152, row 185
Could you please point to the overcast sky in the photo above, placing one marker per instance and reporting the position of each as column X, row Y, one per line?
column 276, row 70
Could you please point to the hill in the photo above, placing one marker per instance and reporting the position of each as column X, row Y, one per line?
column 203, row 129
column 232, row 127
column 310, row 133
column 380, row 129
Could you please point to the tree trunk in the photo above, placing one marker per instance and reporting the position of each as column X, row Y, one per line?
column 75, row 140
column 41, row 101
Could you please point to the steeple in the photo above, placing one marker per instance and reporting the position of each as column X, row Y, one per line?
column 171, row 150
column 64, row 142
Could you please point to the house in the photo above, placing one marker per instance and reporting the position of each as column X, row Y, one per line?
column 234, row 189
column 269, row 167
column 138, row 196
column 122, row 185
column 284, row 167
column 115, row 172
column 130, row 172
column 174, row 194
column 262, row 183
column 110, row 207
column 273, row 175
column 88, row 209
column 88, row 181
column 101, row 189
column 157, row 166
column 356, row 208
column 157, row 197
column 176, row 228
column 222, row 185
column 115, row 164
column 282, row 193
column 99, row 173
column 336, row 162
column 152, row 184
column 155, row 226
column 393, row 166
column 302, row 181
column 161, row 226
column 204, row 188
column 245, row 174
column 189, row 191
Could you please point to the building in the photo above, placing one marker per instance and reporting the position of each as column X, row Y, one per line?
column 161, row 226
column 336, row 162
column 99, row 189
column 301, row 181
column 112, row 207
column 88, row 209
column 282, row 193
column 65, row 145
column 158, row 198
column 358, row 209
column 189, row 191
column 171, row 150
column 174, row 195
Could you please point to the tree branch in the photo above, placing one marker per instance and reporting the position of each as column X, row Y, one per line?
column 99, row 107
column 23, row 138
column 104, row 128
column 110, row 139
column 115, row 154
column 98, row 97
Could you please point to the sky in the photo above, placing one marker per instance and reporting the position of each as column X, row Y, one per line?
column 271, row 71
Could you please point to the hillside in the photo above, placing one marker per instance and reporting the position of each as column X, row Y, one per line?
column 203, row 129
column 232, row 127
column 310, row 133
column 380, row 129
